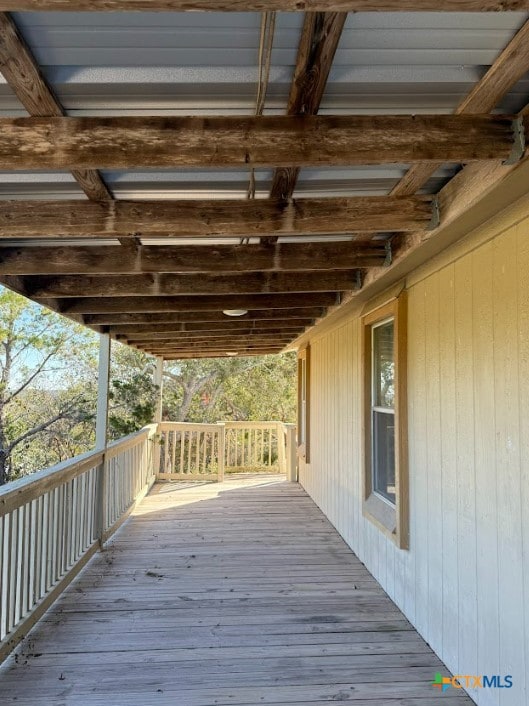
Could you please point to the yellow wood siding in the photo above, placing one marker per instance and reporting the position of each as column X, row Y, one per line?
column 464, row 583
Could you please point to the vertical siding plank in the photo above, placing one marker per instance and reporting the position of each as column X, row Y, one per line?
column 331, row 414
column 349, row 459
column 523, row 386
column 467, row 623
column 417, row 436
column 356, row 442
column 468, row 380
column 447, row 359
column 486, row 504
column 433, row 466
column 508, row 455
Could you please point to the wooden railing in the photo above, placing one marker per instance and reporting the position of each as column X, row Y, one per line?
column 207, row 451
column 53, row 521
column 190, row 451
column 255, row 446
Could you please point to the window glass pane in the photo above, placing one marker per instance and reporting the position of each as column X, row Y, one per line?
column 384, row 454
column 383, row 366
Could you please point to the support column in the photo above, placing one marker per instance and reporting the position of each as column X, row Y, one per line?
column 158, row 381
column 291, row 451
column 102, row 392
column 102, row 432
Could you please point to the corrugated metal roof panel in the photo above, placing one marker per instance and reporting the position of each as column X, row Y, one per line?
column 206, row 63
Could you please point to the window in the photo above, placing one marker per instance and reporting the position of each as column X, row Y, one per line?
column 385, row 472
column 304, row 403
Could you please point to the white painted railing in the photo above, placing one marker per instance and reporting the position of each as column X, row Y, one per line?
column 191, row 451
column 206, row 451
column 255, row 446
column 53, row 521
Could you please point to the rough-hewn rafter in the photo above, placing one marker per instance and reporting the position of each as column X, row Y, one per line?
column 203, row 218
column 221, row 345
column 189, row 259
column 186, row 319
column 244, row 352
column 264, row 141
column 23, row 75
column 215, row 342
column 105, row 305
column 46, row 286
column 269, row 5
column 318, row 43
column 178, row 337
column 225, row 325
column 511, row 65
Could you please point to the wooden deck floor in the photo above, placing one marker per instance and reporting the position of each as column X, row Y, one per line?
column 239, row 593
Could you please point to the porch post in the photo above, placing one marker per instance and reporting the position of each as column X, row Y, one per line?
column 158, row 381
column 102, row 432
column 102, row 392
column 292, row 458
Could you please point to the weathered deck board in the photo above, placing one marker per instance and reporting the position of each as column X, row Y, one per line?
column 236, row 593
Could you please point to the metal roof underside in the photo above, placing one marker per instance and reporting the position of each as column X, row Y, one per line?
column 206, row 64
column 127, row 64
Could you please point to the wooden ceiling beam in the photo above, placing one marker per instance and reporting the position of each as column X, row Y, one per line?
column 23, row 75
column 201, row 218
column 60, row 143
column 241, row 341
column 168, row 355
column 202, row 318
column 266, row 5
column 228, row 345
column 152, row 285
column 510, row 66
column 178, row 337
column 214, row 327
column 471, row 187
column 106, row 305
column 318, row 43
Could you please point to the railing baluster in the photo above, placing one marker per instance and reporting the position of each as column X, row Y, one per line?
column 3, row 575
column 173, row 467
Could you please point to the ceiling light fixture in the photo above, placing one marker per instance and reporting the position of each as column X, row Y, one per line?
column 231, row 353
column 235, row 312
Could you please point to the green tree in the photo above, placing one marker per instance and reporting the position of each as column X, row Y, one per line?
column 132, row 393
column 48, row 388
column 253, row 388
column 40, row 357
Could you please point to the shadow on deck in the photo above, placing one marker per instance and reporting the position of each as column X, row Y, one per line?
column 233, row 593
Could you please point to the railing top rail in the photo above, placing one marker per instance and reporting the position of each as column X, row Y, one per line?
column 188, row 426
column 120, row 445
column 261, row 425
column 28, row 488
column 23, row 490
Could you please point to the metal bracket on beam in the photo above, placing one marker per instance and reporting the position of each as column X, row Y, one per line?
column 389, row 254
column 359, row 280
column 518, row 147
column 435, row 220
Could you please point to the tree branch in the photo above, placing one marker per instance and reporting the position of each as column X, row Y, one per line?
column 36, row 372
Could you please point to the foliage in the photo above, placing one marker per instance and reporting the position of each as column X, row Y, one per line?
column 254, row 388
column 48, row 388
column 132, row 396
column 46, row 376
